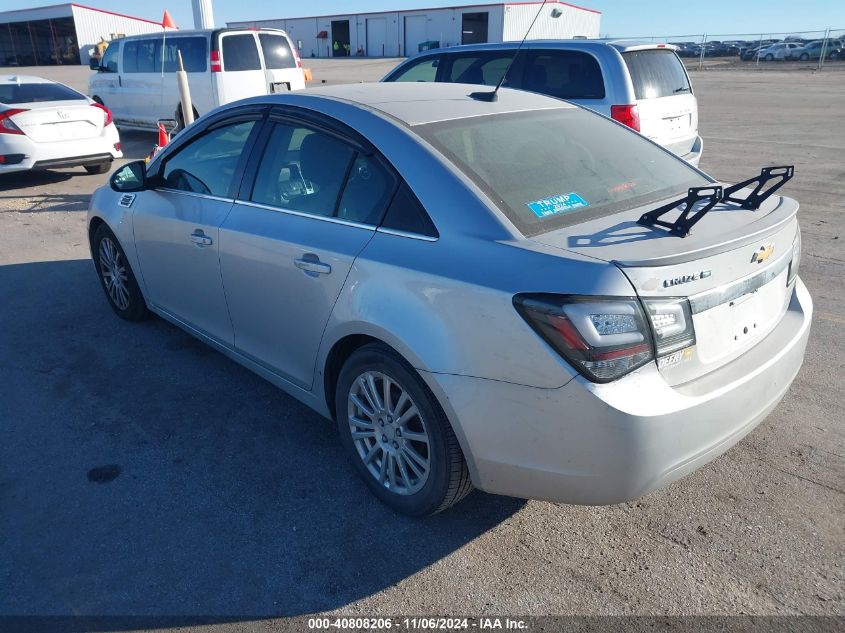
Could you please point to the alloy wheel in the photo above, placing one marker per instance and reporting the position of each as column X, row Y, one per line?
column 389, row 433
column 113, row 272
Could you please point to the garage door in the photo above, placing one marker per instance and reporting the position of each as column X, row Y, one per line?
column 414, row 33
column 376, row 36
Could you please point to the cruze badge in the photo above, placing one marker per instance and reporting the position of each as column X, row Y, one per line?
column 763, row 254
column 683, row 279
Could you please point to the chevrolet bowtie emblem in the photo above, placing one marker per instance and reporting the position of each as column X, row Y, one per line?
column 763, row 254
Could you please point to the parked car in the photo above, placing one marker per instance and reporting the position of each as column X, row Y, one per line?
column 46, row 125
column 779, row 52
column 465, row 285
column 642, row 85
column 813, row 50
column 136, row 77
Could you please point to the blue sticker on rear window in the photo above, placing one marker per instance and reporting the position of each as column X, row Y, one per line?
column 557, row 204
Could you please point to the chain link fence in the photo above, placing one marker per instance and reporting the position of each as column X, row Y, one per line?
column 815, row 50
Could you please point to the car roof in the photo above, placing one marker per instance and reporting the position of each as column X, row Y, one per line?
column 24, row 79
column 416, row 103
column 184, row 32
column 573, row 44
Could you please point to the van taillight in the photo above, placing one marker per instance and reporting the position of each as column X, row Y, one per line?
column 216, row 67
column 627, row 115
column 297, row 58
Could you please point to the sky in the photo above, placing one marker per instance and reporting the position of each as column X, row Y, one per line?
column 620, row 18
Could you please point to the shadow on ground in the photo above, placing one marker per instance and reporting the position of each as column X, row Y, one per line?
column 142, row 473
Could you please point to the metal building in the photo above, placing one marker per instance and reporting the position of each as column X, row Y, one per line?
column 61, row 33
column 405, row 33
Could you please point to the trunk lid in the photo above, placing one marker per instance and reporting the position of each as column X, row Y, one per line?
column 57, row 121
column 732, row 267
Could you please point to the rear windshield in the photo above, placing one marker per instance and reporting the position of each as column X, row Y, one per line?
column 656, row 73
column 277, row 53
column 240, row 53
column 33, row 93
column 552, row 168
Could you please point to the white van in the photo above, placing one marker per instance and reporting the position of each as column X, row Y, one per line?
column 136, row 78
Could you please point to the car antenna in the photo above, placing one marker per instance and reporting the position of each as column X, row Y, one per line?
column 494, row 95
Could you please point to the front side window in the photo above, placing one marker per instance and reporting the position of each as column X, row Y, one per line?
column 277, row 52
column 310, row 171
column 423, row 70
column 562, row 167
column 656, row 73
column 563, row 74
column 208, row 164
column 109, row 62
column 240, row 53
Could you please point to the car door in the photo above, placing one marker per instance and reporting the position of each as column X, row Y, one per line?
column 142, row 81
column 309, row 206
column 242, row 75
column 177, row 225
column 107, row 83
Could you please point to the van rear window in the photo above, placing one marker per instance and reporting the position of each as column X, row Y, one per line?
column 656, row 73
column 277, row 53
column 240, row 53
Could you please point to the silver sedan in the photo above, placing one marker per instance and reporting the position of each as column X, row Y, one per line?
column 501, row 293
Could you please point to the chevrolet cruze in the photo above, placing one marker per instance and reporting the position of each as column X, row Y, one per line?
column 512, row 293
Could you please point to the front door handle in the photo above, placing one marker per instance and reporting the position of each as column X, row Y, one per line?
column 312, row 265
column 199, row 238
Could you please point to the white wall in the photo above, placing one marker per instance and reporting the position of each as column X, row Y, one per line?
column 93, row 25
column 505, row 23
column 573, row 22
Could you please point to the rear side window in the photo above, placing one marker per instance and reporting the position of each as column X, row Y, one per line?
column 33, row 93
column 139, row 56
column 423, row 70
column 406, row 214
column 484, row 68
column 194, row 54
column 277, row 53
column 656, row 73
column 240, row 53
column 563, row 74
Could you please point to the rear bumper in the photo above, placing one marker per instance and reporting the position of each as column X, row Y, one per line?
column 61, row 154
column 694, row 155
column 601, row 444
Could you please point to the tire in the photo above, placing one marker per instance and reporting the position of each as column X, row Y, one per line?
column 804, row 57
column 127, row 303
column 770, row 57
column 102, row 168
column 420, row 490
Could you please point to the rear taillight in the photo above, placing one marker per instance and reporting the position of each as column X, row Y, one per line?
column 107, row 117
column 296, row 57
column 215, row 64
column 7, row 126
column 671, row 324
column 796, row 259
column 603, row 338
column 627, row 115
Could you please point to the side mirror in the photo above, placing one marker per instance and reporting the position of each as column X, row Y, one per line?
column 94, row 64
column 131, row 177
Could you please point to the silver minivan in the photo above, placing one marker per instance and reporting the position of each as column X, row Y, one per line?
column 643, row 85
column 136, row 78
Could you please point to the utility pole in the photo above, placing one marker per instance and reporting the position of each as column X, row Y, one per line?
column 203, row 15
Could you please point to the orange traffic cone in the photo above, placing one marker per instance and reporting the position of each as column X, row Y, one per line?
column 163, row 136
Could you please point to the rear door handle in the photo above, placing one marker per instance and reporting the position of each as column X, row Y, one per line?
column 313, row 266
column 201, row 239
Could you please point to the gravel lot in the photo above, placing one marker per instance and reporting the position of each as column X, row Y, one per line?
column 143, row 473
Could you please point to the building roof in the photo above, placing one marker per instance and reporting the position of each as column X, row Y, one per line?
column 463, row 6
column 70, row 6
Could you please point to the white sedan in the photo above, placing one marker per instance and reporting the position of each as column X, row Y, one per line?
column 46, row 125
